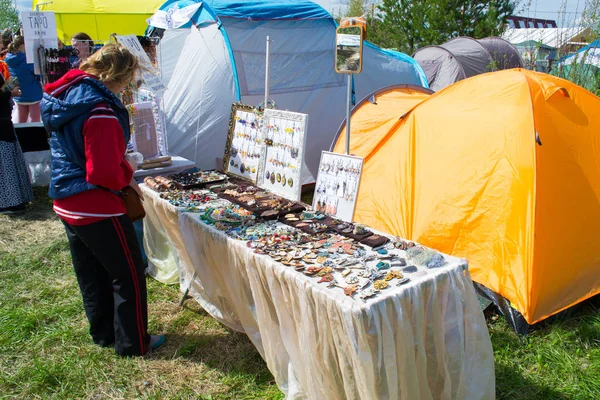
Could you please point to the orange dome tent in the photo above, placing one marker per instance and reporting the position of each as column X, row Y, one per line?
column 502, row 169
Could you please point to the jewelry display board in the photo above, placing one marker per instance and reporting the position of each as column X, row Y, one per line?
column 285, row 143
column 337, row 185
column 245, row 144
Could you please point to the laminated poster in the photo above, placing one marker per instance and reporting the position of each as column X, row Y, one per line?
column 144, row 137
column 285, row 143
column 245, row 142
column 337, row 185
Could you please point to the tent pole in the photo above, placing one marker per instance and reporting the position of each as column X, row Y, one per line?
column 267, row 73
column 349, row 106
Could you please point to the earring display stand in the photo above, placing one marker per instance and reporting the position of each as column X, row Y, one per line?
column 337, row 185
column 245, row 142
column 285, row 143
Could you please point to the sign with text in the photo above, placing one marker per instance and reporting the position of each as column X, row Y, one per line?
column 39, row 29
column 149, row 74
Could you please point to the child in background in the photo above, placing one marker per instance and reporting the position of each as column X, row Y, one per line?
column 28, row 103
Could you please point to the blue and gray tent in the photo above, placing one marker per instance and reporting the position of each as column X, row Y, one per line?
column 213, row 54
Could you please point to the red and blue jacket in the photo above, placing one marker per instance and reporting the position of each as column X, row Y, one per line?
column 89, row 133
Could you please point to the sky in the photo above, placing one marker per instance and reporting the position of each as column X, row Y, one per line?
column 546, row 9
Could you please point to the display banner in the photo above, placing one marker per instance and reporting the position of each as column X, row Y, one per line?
column 337, row 185
column 149, row 74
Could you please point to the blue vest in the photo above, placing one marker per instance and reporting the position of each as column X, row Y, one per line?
column 64, row 116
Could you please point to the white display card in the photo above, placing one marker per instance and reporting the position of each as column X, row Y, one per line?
column 245, row 142
column 285, row 143
column 337, row 185
column 39, row 29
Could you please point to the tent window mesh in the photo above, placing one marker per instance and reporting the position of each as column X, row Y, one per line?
column 289, row 72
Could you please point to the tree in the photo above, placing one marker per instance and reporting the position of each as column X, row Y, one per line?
column 408, row 25
column 582, row 69
column 9, row 16
column 590, row 18
column 354, row 8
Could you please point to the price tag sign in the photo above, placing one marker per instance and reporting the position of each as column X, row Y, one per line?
column 39, row 29
column 149, row 73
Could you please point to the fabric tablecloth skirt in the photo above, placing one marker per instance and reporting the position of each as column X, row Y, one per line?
column 426, row 339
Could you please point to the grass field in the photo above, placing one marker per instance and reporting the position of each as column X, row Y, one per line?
column 46, row 352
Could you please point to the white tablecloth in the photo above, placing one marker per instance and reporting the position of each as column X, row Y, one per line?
column 424, row 340
column 163, row 243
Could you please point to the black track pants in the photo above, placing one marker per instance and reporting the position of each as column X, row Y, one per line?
column 110, row 271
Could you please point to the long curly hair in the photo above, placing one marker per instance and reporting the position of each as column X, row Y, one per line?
column 112, row 64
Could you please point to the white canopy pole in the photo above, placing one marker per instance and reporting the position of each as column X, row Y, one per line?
column 267, row 73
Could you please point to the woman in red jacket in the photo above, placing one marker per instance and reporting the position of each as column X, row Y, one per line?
column 90, row 131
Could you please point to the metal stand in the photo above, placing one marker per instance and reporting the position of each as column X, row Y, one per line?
column 187, row 290
column 349, row 107
column 267, row 74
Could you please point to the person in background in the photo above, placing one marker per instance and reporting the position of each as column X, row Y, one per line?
column 15, row 186
column 3, row 67
column 4, row 70
column 6, row 40
column 84, row 45
column 149, row 47
column 90, row 129
column 28, row 103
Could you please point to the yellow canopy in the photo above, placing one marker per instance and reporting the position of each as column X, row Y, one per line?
column 100, row 18
column 463, row 172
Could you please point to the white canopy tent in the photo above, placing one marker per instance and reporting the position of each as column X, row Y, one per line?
column 552, row 37
column 221, row 60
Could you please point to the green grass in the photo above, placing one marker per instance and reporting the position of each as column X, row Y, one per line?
column 46, row 352
column 558, row 361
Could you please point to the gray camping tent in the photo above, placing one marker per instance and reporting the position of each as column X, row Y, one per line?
column 464, row 57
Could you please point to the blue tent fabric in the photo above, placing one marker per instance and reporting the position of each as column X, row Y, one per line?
column 267, row 9
column 261, row 10
column 403, row 57
column 253, row 10
column 594, row 44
